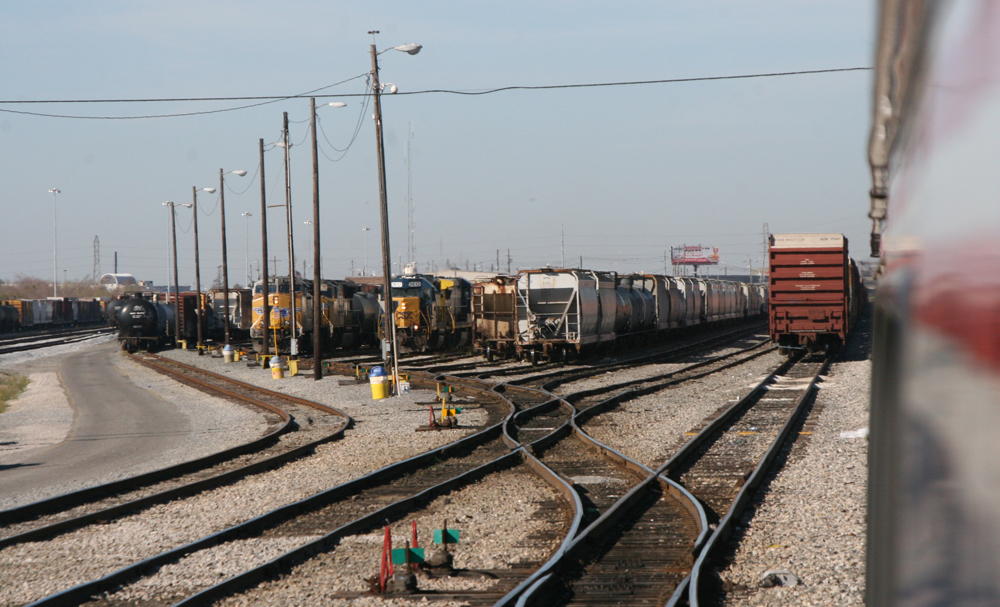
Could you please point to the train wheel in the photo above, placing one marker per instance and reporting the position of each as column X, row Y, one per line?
column 534, row 358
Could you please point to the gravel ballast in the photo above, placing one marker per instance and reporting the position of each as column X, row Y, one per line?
column 496, row 518
column 652, row 427
column 811, row 521
column 383, row 433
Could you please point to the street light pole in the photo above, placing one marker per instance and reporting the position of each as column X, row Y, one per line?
column 225, row 264
column 55, row 272
column 389, row 346
column 200, row 309
column 389, row 341
column 266, row 311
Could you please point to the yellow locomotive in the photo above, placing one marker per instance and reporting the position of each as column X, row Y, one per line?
column 348, row 316
column 431, row 313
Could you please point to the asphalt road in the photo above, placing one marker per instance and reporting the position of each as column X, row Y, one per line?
column 117, row 427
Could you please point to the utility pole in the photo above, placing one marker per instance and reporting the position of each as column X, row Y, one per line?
column 197, row 269
column 225, row 262
column 266, row 319
column 508, row 262
column 389, row 343
column 765, row 258
column 317, row 291
column 55, row 241
column 562, row 246
column 116, row 261
column 294, row 341
column 97, row 260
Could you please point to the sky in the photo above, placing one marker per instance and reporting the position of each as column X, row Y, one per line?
column 618, row 173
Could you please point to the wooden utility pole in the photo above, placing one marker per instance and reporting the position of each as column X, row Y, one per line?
column 266, row 320
column 389, row 345
column 294, row 341
column 317, row 290
column 225, row 264
column 200, row 311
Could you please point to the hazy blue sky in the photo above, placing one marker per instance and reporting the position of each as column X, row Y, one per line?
column 629, row 171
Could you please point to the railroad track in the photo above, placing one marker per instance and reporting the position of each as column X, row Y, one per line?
column 296, row 427
column 46, row 340
column 652, row 546
column 30, row 334
column 375, row 497
column 344, row 509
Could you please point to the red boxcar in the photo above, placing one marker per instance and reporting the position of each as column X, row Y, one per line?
column 815, row 293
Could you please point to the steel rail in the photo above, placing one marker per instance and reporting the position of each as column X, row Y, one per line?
column 568, row 375
column 740, row 502
column 547, row 575
column 48, row 341
column 84, row 592
column 609, row 517
column 52, row 332
column 283, row 562
column 92, row 494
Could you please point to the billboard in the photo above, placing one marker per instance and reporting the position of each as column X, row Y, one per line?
column 694, row 256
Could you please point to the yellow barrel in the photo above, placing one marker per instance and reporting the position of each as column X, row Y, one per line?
column 379, row 382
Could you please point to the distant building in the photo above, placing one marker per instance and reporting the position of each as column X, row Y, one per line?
column 117, row 282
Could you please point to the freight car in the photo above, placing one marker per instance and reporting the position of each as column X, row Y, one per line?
column 240, row 310
column 111, row 310
column 493, row 317
column 431, row 313
column 348, row 316
column 9, row 318
column 563, row 313
column 144, row 324
column 816, row 294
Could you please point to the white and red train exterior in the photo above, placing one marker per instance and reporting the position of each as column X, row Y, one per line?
column 934, row 474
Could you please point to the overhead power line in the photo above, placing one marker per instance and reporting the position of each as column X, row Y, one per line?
column 266, row 99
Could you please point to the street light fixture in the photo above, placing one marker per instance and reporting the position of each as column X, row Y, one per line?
column 225, row 262
column 389, row 346
column 200, row 310
column 55, row 272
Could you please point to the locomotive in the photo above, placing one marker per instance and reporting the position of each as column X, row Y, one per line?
column 348, row 316
column 431, row 312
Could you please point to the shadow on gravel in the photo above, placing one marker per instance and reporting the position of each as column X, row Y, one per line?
column 13, row 466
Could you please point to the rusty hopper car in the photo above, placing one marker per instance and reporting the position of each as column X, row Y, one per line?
column 493, row 317
column 814, row 291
